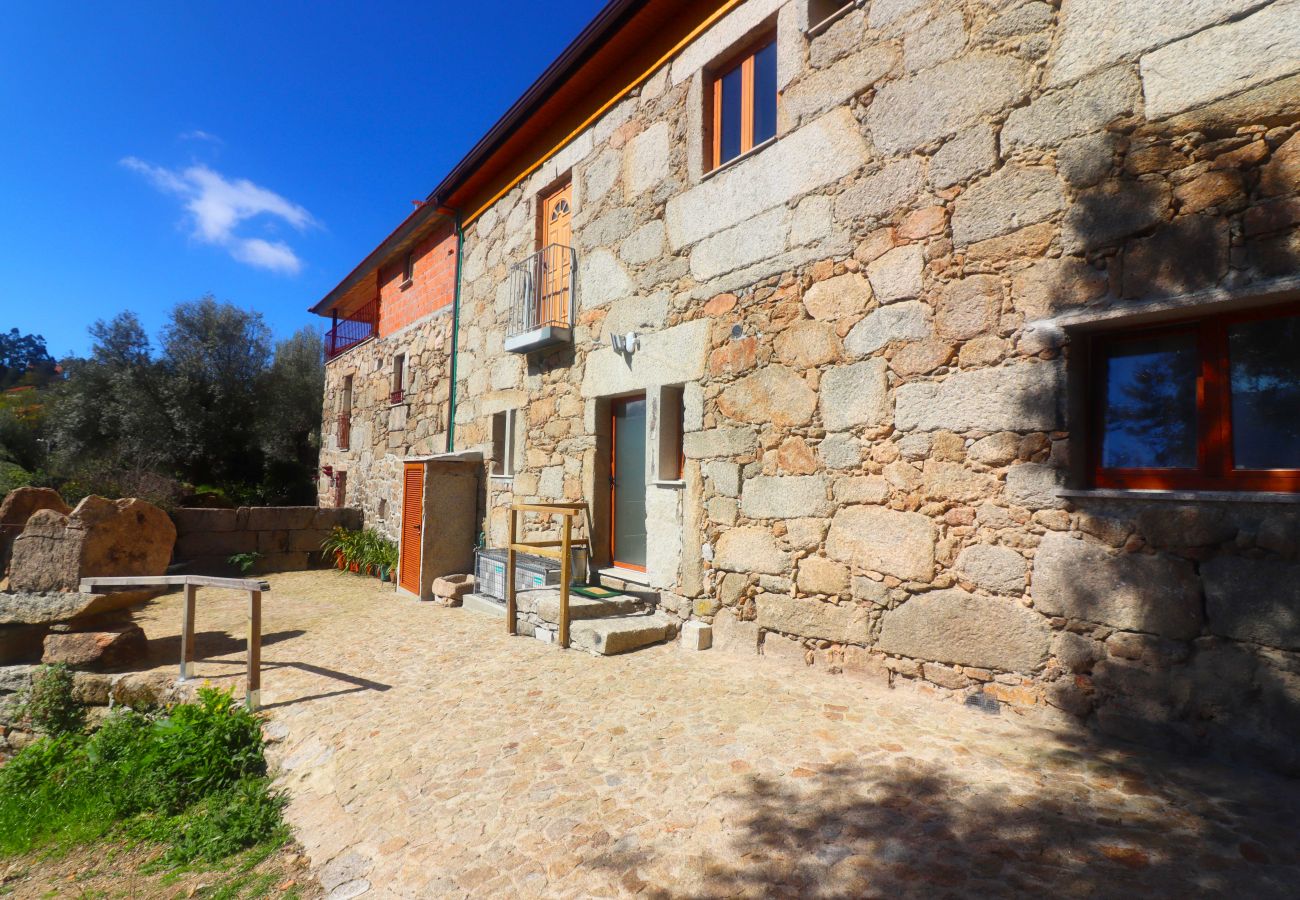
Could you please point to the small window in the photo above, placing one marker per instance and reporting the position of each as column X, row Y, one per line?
column 744, row 103
column 1212, row 404
column 345, row 402
column 399, row 379
column 821, row 12
column 408, row 270
column 503, row 444
column 671, row 464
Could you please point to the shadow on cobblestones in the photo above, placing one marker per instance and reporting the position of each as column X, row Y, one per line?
column 910, row 829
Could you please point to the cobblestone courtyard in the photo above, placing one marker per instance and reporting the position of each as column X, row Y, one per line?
column 428, row 754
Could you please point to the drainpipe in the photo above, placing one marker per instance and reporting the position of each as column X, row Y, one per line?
column 455, row 334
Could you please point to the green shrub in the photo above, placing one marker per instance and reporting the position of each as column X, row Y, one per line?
column 194, row 778
column 48, row 703
column 244, row 561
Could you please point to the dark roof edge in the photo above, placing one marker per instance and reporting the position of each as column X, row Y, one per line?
column 606, row 21
column 579, row 49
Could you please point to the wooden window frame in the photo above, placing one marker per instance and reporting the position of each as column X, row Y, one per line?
column 408, row 270
column 744, row 59
column 504, row 466
column 398, row 392
column 1214, row 469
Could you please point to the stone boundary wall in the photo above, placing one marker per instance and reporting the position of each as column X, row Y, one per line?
column 288, row 537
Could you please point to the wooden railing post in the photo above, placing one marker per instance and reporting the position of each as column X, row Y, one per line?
column 187, row 632
column 512, row 613
column 254, row 649
column 566, row 563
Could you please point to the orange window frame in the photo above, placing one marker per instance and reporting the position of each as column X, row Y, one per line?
column 1215, row 468
column 743, row 60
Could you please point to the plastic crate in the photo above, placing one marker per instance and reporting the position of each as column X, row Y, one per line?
column 531, row 572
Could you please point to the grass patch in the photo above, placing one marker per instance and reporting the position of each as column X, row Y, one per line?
column 192, row 779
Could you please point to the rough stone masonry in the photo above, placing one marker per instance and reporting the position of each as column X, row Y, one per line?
column 873, row 323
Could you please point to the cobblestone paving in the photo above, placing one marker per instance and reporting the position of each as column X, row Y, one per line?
column 428, row 754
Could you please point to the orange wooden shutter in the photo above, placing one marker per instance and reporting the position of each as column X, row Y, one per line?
column 412, row 526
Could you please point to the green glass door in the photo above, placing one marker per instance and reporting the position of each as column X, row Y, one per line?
column 627, row 483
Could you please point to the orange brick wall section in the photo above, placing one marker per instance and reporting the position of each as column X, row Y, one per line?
column 432, row 286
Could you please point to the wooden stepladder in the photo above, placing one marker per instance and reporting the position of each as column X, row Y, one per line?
column 561, row 550
column 192, row 583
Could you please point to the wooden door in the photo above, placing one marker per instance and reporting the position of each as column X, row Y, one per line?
column 340, row 488
column 557, row 259
column 627, row 483
column 412, row 527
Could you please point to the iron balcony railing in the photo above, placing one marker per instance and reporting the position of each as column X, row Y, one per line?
column 352, row 329
column 542, row 290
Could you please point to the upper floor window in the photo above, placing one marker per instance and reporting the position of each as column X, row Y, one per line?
column 822, row 12
column 408, row 269
column 744, row 102
column 399, row 379
column 1211, row 404
column 503, row 444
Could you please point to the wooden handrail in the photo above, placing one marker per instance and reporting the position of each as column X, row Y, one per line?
column 543, row 548
column 192, row 583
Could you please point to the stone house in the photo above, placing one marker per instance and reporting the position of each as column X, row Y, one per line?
column 950, row 342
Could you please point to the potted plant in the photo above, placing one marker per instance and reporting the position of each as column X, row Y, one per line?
column 336, row 545
column 387, row 556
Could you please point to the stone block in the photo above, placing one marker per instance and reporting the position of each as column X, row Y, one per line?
column 773, row 395
column 819, row 90
column 1187, row 255
column 731, row 635
column 450, row 590
column 716, row 442
column 898, row 322
column 996, row 449
column 1107, row 214
column 1096, row 33
column 999, row 570
column 883, row 540
column 96, row 649
column 1075, row 652
column 816, row 154
column 840, row 451
column 786, row 651
column 92, row 688
column 724, row 476
column 676, row 355
column 913, row 111
column 807, row 345
column 897, row 275
column 861, row 489
column 1087, row 106
column 953, row 626
column 15, row 678
column 808, row 617
column 972, row 152
column 1086, row 160
column 969, row 307
column 1186, row 526
column 858, row 662
column 750, row 549
column 1018, row 21
column 938, row 40
column 1222, row 61
column 1254, row 600
column 1051, row 286
column 875, row 196
column 272, row 542
column 746, row 243
column 646, row 159
column 696, row 636
column 601, row 280
column 854, row 395
column 1035, row 486
column 785, row 496
column 190, row 520
column 818, row 575
column 1009, row 199
column 1135, row 592
column 279, row 518
column 21, row 644
column 841, row 297
column 1025, row 396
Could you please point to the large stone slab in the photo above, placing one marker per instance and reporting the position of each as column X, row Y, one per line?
column 855, row 395
column 756, row 239
column 785, row 496
column 1087, row 106
column 1097, row 33
column 774, row 394
column 1136, row 592
column 1009, row 199
column 844, row 623
column 1254, row 600
column 1223, row 61
column 817, row 154
column 96, row 649
column 956, row 627
column 899, row 322
column 999, row 570
column 18, row 506
column 910, row 112
column 884, row 540
column 100, row 537
column 43, row 608
column 750, row 549
column 674, row 355
column 1019, row 397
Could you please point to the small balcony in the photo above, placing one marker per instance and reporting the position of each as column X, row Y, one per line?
column 542, row 300
column 345, row 432
column 352, row 329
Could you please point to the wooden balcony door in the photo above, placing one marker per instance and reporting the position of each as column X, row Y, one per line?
column 412, row 527
column 557, row 260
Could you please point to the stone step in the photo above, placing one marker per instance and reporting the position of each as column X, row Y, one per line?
column 548, row 607
column 481, row 603
column 619, row 634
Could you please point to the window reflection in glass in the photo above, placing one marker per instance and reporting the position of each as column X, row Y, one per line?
column 1150, row 412
column 731, row 103
column 765, row 94
column 1264, row 363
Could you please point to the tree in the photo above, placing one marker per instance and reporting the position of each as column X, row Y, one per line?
column 24, row 360
column 291, row 411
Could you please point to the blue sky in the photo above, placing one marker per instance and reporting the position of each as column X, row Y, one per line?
column 155, row 152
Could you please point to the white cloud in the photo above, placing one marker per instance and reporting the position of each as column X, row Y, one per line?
column 198, row 134
column 218, row 206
